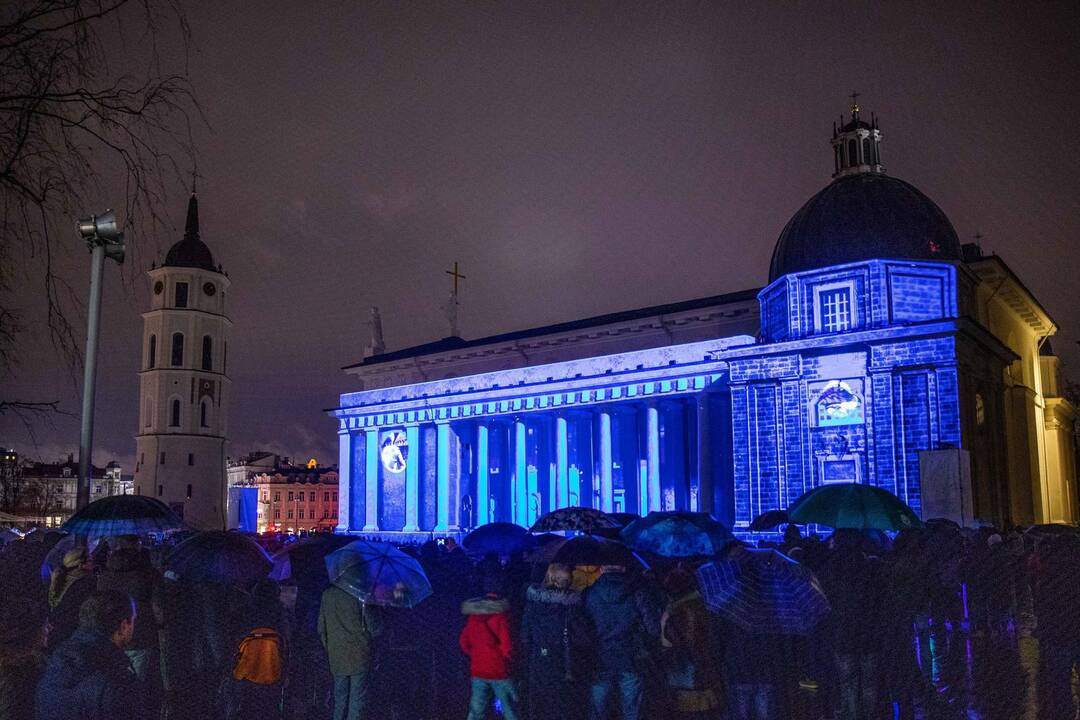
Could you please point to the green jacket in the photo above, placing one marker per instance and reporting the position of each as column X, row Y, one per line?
column 347, row 628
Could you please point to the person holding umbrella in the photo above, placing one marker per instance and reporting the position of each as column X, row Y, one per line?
column 348, row 628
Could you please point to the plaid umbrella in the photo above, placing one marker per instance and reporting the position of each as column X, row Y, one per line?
column 763, row 591
column 677, row 534
column 123, row 515
column 580, row 519
column 499, row 538
column 378, row 573
column 852, row 505
column 220, row 557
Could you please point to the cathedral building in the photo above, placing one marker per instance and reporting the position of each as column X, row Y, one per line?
column 881, row 351
column 183, row 385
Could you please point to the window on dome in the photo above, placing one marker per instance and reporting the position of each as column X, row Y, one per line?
column 868, row 155
column 835, row 309
column 853, row 153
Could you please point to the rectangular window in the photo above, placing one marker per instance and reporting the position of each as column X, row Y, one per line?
column 325, row 514
column 160, row 490
column 181, row 294
column 189, row 491
column 326, row 497
column 835, row 310
column 277, row 497
column 266, row 496
column 290, row 496
column 290, row 514
column 190, row 461
column 277, row 514
column 311, row 496
column 335, row 497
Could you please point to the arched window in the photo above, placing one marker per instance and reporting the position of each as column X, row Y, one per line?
column 867, row 153
column 148, row 420
column 207, row 352
column 152, row 360
column 174, row 416
column 203, row 419
column 177, row 349
column 853, row 153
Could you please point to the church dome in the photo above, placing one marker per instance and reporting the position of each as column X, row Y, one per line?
column 863, row 214
column 191, row 251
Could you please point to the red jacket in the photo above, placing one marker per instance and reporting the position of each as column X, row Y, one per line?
column 486, row 638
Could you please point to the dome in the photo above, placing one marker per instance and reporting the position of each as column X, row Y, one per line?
column 191, row 251
column 862, row 217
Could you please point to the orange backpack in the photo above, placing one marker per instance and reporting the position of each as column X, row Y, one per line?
column 259, row 659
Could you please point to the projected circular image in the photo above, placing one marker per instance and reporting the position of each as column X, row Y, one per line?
column 394, row 451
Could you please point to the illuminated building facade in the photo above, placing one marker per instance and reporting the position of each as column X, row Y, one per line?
column 881, row 351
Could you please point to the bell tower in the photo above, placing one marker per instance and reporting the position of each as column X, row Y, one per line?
column 856, row 144
column 183, row 384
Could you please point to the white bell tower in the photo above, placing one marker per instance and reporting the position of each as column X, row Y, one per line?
column 183, row 383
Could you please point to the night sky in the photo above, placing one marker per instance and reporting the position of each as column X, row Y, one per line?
column 575, row 159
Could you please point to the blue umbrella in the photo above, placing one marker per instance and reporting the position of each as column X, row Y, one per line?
column 220, row 557
column 498, row 538
column 677, row 534
column 763, row 591
column 378, row 573
column 123, row 515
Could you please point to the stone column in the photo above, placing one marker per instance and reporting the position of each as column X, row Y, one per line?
column 371, row 480
column 412, row 480
column 604, row 452
column 562, row 463
column 652, row 456
column 483, row 467
column 345, row 443
column 704, row 454
column 520, row 489
column 442, row 477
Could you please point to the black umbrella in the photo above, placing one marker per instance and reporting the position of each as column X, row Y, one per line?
column 220, row 557
column 123, row 515
column 591, row 550
column 769, row 520
column 498, row 538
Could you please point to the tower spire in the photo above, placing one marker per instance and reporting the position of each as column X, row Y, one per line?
column 191, row 227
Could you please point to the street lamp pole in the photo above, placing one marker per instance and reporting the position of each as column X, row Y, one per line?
column 103, row 240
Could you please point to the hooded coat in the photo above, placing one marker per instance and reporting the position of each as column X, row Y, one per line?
column 88, row 678
column 485, row 639
column 624, row 627
column 555, row 636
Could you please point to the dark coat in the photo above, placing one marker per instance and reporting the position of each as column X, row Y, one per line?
column 20, row 671
column 623, row 624
column 555, row 635
column 88, row 678
column 65, row 616
column 347, row 628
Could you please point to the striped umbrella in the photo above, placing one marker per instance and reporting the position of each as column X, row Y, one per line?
column 677, row 534
column 378, row 573
column 123, row 515
column 853, row 506
column 763, row 591
column 579, row 519
column 220, row 557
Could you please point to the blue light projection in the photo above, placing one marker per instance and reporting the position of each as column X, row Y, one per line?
column 733, row 426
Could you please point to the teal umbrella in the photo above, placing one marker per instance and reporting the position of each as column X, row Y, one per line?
column 851, row 505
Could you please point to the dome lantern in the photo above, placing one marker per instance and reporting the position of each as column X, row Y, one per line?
column 856, row 144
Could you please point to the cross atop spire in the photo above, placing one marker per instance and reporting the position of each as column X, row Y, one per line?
column 854, row 104
column 452, row 302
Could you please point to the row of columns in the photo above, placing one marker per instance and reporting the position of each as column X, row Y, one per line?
column 649, row 488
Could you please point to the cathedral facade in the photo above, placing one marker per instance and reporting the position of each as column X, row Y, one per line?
column 882, row 351
column 183, row 385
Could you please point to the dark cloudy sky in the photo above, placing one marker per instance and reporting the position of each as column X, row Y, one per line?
column 575, row 159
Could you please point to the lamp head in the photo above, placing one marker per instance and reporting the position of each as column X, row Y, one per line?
column 103, row 227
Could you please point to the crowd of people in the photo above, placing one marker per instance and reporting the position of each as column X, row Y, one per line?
column 931, row 623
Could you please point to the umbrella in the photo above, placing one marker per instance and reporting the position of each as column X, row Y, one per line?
column 589, row 550
column 763, row 591
column 854, row 506
column 219, row 557
column 498, row 538
column 769, row 520
column 580, row 519
column 305, row 559
column 624, row 518
column 1053, row 529
column 677, row 534
column 378, row 573
column 123, row 515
